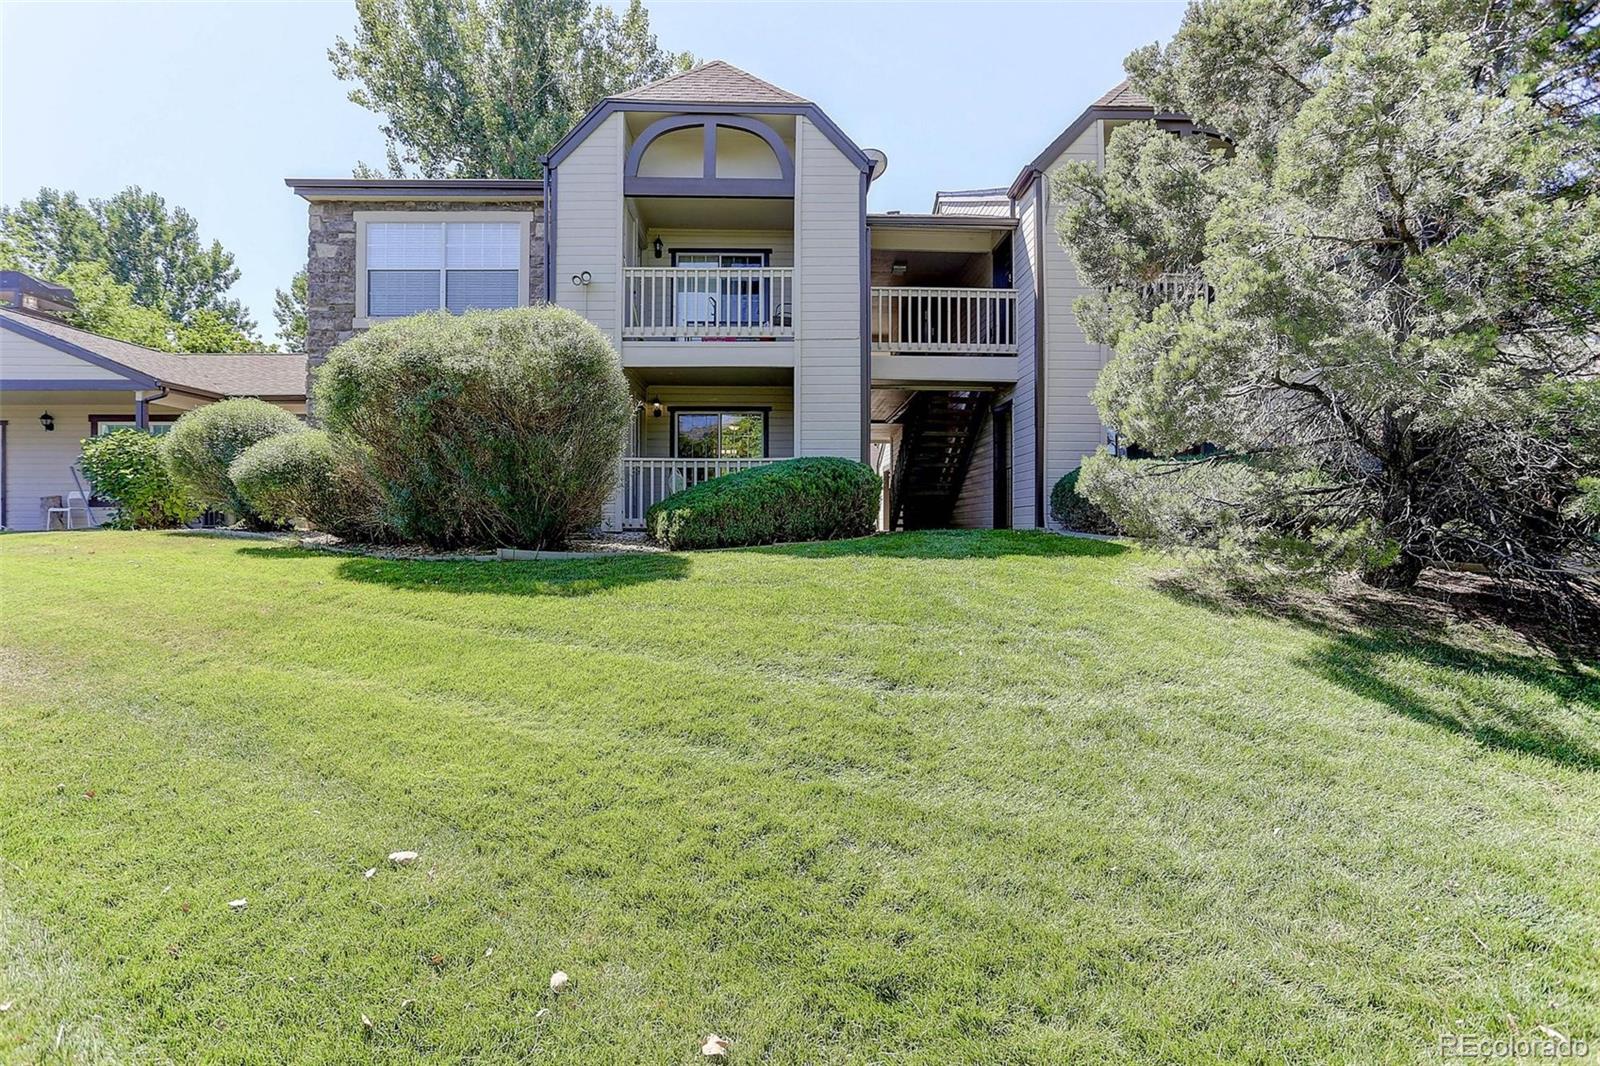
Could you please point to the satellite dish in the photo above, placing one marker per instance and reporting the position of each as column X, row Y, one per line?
column 880, row 161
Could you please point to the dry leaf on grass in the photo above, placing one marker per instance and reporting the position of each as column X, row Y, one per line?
column 402, row 858
column 715, row 1047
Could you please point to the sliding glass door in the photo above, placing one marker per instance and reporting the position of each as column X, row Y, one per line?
column 709, row 297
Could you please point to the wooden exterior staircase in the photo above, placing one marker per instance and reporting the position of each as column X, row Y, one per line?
column 936, row 442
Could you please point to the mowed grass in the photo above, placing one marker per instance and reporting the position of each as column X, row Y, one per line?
column 924, row 798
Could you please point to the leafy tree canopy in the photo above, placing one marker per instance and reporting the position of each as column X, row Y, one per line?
column 154, row 250
column 106, row 306
column 289, row 308
column 484, row 88
column 1377, row 285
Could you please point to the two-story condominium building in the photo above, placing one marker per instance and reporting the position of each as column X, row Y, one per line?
column 715, row 227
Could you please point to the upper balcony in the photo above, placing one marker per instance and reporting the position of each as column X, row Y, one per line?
column 697, row 302
column 952, row 321
column 942, row 306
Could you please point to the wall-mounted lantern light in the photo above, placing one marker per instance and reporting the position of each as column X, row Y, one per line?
column 48, row 421
column 658, row 247
column 655, row 409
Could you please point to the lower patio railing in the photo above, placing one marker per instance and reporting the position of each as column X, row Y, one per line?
column 647, row 481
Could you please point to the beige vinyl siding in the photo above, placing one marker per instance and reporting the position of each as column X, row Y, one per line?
column 590, row 237
column 39, row 463
column 1024, row 258
column 1072, row 426
column 589, row 229
column 780, row 243
column 656, row 433
column 25, row 359
column 828, row 390
column 975, row 503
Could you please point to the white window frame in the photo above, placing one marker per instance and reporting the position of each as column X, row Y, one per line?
column 438, row 218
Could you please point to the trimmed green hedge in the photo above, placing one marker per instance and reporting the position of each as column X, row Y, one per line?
column 203, row 442
column 798, row 499
column 304, row 475
column 492, row 427
column 1076, row 512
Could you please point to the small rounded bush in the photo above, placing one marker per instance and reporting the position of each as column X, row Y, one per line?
column 1074, row 511
column 798, row 499
column 205, row 441
column 493, row 427
column 127, row 468
column 302, row 475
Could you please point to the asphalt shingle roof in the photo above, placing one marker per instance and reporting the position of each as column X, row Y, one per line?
column 1123, row 94
column 715, row 82
column 223, row 374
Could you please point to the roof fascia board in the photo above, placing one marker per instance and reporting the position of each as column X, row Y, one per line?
column 135, row 378
column 66, row 385
column 403, row 189
column 882, row 221
column 1042, row 162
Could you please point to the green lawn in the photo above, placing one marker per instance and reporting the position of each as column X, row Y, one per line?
column 925, row 798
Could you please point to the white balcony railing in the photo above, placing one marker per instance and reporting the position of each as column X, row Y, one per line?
column 959, row 321
column 1178, row 288
column 648, row 481
column 708, row 303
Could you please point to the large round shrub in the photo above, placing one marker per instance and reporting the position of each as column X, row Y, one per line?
column 493, row 427
column 302, row 475
column 205, row 441
column 127, row 467
column 280, row 478
column 1075, row 511
column 798, row 499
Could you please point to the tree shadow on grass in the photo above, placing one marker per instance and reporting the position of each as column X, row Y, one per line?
column 949, row 544
column 575, row 577
column 1400, row 651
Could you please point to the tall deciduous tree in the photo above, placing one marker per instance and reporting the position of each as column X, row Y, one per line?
column 154, row 250
column 106, row 306
column 1401, row 249
column 484, row 88
column 289, row 308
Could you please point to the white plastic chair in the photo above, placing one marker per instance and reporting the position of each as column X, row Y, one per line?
column 65, row 511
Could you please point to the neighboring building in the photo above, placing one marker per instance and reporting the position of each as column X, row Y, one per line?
column 60, row 385
column 23, row 292
column 715, row 227
column 973, row 202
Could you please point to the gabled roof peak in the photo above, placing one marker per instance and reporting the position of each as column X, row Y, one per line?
column 1123, row 94
column 713, row 82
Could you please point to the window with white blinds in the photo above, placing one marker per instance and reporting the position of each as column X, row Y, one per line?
column 423, row 266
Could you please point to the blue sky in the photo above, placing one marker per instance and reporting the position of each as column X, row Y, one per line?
column 213, row 104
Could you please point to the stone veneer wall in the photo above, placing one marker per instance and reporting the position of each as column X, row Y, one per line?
column 331, row 262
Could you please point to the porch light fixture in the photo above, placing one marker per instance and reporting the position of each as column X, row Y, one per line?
column 655, row 408
column 48, row 421
column 658, row 247
column 898, row 268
